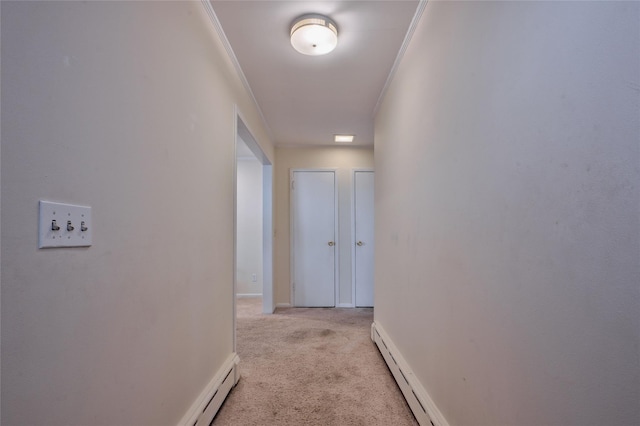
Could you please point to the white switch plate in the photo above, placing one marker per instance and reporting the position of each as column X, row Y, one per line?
column 61, row 214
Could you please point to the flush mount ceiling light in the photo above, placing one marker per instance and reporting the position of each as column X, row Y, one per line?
column 314, row 34
column 343, row 138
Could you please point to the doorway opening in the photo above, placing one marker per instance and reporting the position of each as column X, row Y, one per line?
column 253, row 221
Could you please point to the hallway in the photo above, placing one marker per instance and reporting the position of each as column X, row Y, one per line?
column 505, row 141
column 310, row 366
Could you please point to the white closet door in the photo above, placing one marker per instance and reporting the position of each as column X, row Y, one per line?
column 363, row 262
column 313, row 198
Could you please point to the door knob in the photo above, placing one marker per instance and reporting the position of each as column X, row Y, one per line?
column 360, row 243
column 331, row 243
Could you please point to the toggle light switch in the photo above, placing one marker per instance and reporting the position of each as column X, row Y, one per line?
column 64, row 225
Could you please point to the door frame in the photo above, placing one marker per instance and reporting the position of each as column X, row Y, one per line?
column 336, row 257
column 353, row 230
column 242, row 130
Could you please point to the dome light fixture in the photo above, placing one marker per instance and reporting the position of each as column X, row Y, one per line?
column 314, row 34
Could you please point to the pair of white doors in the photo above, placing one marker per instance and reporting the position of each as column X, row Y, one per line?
column 315, row 248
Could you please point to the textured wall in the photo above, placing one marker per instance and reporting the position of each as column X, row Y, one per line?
column 127, row 107
column 507, row 211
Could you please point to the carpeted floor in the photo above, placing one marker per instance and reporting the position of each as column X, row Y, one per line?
column 310, row 366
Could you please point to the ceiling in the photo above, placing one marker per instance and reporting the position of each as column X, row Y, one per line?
column 306, row 100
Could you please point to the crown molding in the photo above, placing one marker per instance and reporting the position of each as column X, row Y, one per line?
column 215, row 22
column 407, row 39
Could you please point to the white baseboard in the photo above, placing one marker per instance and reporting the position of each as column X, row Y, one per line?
column 423, row 407
column 345, row 305
column 283, row 305
column 205, row 407
column 247, row 295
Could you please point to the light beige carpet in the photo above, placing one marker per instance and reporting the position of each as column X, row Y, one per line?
column 310, row 366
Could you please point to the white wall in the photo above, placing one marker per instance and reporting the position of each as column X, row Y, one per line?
column 249, row 226
column 127, row 107
column 507, row 211
column 344, row 159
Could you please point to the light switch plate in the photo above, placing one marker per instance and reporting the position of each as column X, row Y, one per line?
column 74, row 223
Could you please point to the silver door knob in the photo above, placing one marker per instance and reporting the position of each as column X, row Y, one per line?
column 360, row 243
column 331, row 243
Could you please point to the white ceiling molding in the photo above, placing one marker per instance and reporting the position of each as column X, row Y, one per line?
column 225, row 42
column 407, row 39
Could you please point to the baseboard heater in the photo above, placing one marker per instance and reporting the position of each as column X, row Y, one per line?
column 205, row 408
column 423, row 407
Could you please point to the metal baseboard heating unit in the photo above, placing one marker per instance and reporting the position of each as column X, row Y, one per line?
column 423, row 407
column 205, row 408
